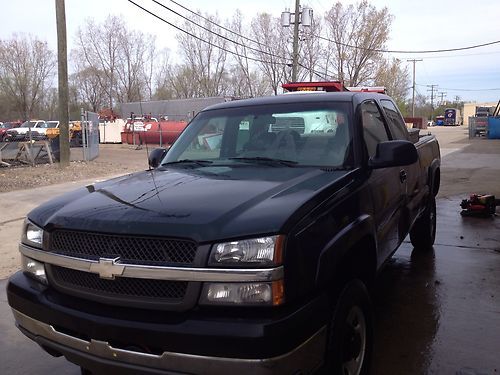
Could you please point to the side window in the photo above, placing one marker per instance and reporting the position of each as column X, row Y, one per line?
column 374, row 130
column 396, row 123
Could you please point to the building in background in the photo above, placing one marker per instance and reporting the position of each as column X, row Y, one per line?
column 470, row 110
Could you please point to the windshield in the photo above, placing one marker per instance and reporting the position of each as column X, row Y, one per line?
column 49, row 124
column 302, row 134
column 29, row 124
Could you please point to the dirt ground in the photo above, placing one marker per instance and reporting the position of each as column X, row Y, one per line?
column 113, row 160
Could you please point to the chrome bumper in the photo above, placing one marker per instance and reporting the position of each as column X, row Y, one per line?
column 304, row 359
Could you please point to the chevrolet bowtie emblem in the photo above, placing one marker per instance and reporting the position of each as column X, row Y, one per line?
column 107, row 268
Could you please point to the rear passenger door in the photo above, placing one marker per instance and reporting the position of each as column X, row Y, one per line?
column 385, row 183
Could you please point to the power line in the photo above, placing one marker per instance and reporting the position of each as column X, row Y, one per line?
column 200, row 39
column 449, row 89
column 214, row 23
column 344, row 44
column 452, row 56
column 219, row 47
column 400, row 51
column 216, row 33
column 319, row 74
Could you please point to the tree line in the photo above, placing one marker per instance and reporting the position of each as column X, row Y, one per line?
column 111, row 63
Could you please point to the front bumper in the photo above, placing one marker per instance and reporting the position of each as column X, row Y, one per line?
column 95, row 337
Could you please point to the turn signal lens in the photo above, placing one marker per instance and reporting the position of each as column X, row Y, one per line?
column 243, row 293
column 34, row 268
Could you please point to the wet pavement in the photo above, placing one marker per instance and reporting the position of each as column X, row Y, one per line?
column 436, row 312
column 439, row 312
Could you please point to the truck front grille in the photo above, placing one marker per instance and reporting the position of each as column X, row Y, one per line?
column 121, row 290
column 130, row 249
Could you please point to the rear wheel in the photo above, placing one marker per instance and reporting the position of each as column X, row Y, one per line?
column 423, row 233
column 351, row 332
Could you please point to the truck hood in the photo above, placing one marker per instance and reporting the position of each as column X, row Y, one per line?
column 203, row 204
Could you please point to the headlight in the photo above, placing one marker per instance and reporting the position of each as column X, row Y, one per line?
column 264, row 251
column 271, row 293
column 32, row 235
column 34, row 268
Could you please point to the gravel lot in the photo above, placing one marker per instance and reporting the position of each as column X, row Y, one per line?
column 113, row 160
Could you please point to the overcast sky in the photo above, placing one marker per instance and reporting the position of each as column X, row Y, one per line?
column 418, row 25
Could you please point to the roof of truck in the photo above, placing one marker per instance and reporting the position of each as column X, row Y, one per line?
column 303, row 97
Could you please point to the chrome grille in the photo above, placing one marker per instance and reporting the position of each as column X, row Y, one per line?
column 130, row 249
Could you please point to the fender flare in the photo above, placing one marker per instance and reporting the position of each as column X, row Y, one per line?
column 336, row 249
column 435, row 165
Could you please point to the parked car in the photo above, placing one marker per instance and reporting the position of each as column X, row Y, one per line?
column 6, row 126
column 41, row 130
column 248, row 249
column 22, row 133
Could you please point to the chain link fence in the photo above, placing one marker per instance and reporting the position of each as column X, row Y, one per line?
column 37, row 142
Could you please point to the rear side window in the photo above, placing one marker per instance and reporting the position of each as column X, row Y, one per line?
column 396, row 123
column 374, row 130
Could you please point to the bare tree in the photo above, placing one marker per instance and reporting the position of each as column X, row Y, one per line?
column 135, row 48
column 395, row 77
column 163, row 71
column 182, row 83
column 244, row 79
column 26, row 71
column 311, row 55
column 357, row 32
column 89, row 90
column 99, row 46
column 272, row 43
column 205, row 56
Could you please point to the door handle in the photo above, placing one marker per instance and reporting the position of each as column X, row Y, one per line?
column 402, row 175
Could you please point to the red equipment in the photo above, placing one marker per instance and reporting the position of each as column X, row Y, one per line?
column 479, row 205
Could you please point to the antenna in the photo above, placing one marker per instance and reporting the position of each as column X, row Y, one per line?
column 147, row 157
column 140, row 138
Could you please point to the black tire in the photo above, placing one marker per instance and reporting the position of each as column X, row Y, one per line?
column 423, row 233
column 85, row 371
column 350, row 336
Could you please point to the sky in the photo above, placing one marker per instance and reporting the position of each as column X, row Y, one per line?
column 473, row 75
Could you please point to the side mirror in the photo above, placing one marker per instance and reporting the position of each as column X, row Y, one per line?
column 394, row 154
column 156, row 156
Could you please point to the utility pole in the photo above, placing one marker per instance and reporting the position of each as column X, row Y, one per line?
column 442, row 94
column 433, row 88
column 295, row 62
column 413, row 96
column 303, row 17
column 62, row 72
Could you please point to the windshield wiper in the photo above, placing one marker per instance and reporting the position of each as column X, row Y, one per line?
column 260, row 159
column 200, row 163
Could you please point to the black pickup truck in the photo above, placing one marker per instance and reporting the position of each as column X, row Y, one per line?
column 249, row 247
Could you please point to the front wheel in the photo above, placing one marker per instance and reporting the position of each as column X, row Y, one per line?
column 423, row 233
column 351, row 332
